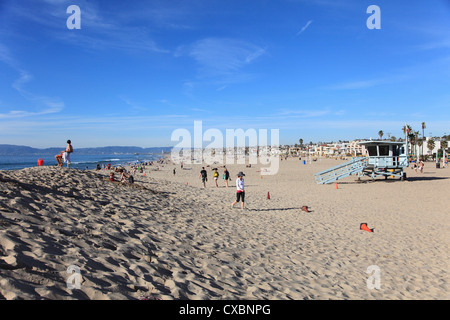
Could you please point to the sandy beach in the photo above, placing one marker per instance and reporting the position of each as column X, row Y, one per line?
column 167, row 238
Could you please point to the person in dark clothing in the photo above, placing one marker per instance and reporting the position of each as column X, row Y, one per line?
column 204, row 177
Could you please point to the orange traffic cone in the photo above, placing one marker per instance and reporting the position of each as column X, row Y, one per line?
column 336, row 186
column 261, row 177
column 268, row 196
column 364, row 227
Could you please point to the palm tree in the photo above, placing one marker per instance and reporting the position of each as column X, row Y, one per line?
column 413, row 136
column 420, row 144
column 416, row 142
column 301, row 142
column 412, row 140
column 423, row 134
column 381, row 133
column 406, row 130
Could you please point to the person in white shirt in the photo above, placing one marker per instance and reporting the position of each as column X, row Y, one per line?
column 64, row 156
column 240, row 192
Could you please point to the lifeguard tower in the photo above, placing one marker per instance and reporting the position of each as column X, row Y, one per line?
column 385, row 158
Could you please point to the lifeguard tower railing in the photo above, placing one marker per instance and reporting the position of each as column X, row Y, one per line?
column 388, row 162
column 355, row 166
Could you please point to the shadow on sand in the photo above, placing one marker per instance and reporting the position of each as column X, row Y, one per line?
column 391, row 180
column 279, row 209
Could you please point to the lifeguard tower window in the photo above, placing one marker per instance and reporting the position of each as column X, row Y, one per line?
column 395, row 151
column 372, row 150
column 384, row 150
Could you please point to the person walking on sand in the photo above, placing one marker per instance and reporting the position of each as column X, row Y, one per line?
column 240, row 192
column 64, row 156
column 204, row 177
column 226, row 176
column 421, row 166
column 216, row 177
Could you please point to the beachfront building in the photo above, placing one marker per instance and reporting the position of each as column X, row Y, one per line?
column 330, row 150
column 322, row 150
column 294, row 151
column 355, row 149
column 432, row 152
column 341, row 149
column 309, row 150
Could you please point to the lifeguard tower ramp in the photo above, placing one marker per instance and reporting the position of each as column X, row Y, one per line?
column 354, row 166
column 386, row 158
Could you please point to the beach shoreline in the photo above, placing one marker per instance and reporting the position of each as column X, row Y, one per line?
column 167, row 238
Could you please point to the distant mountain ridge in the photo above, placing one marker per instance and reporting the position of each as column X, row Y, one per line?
column 15, row 150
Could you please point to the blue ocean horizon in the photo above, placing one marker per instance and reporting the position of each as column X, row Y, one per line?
column 78, row 161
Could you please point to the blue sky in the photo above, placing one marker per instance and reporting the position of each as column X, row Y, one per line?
column 138, row 70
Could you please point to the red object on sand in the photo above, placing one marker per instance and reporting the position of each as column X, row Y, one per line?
column 268, row 195
column 364, row 227
column 40, row 162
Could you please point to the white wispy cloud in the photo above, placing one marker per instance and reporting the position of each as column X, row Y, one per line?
column 361, row 84
column 434, row 45
column 134, row 106
column 21, row 113
column 21, row 81
column 303, row 113
column 397, row 75
column 220, row 62
column 223, row 56
column 328, row 3
column 100, row 29
column 5, row 56
column 49, row 104
column 304, row 27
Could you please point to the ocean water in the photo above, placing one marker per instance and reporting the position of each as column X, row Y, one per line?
column 77, row 161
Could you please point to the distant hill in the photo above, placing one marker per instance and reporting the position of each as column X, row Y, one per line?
column 14, row 150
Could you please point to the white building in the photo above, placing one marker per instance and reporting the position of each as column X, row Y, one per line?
column 430, row 152
column 355, row 149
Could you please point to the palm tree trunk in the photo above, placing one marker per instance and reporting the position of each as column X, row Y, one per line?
column 423, row 136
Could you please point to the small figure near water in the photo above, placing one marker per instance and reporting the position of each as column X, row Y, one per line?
column 64, row 156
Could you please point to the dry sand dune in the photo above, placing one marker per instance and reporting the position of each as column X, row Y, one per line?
column 167, row 238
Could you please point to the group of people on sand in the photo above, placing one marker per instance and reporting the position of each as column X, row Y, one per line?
column 103, row 166
column 225, row 177
column 418, row 166
column 125, row 177
column 240, row 189
column 64, row 155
